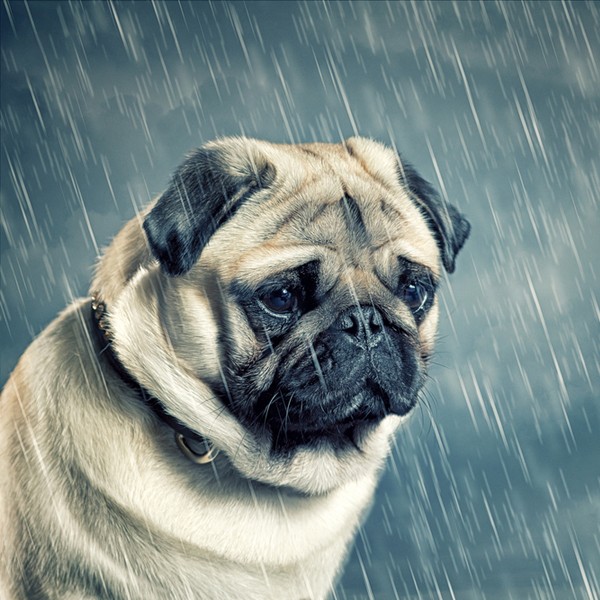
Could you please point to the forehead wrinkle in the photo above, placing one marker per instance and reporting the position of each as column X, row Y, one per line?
column 339, row 226
column 316, row 224
column 355, row 223
column 400, row 234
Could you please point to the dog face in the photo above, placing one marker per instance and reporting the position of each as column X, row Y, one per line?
column 298, row 286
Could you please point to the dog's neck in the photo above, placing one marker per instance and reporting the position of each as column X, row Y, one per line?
column 200, row 450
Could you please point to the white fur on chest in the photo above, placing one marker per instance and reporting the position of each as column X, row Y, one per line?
column 249, row 540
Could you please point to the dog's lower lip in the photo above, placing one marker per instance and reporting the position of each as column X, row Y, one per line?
column 352, row 418
column 353, row 422
column 340, row 437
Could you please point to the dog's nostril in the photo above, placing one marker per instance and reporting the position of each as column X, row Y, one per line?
column 374, row 322
column 361, row 323
column 350, row 323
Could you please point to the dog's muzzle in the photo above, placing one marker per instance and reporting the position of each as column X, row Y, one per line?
column 357, row 371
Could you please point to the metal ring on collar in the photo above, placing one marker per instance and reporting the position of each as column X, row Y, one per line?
column 199, row 459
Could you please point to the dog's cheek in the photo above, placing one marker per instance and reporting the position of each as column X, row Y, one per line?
column 241, row 346
column 192, row 330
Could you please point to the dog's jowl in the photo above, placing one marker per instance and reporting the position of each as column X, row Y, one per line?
column 211, row 421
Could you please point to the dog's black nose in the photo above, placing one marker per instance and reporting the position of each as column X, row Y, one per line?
column 362, row 324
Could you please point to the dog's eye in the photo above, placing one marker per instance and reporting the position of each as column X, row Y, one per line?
column 281, row 300
column 414, row 295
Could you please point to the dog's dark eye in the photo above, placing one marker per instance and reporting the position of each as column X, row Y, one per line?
column 281, row 300
column 414, row 295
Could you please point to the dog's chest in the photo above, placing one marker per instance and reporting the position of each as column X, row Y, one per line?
column 217, row 578
column 192, row 572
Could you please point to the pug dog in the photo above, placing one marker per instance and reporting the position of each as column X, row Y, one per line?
column 212, row 422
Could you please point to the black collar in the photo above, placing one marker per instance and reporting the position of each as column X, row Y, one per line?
column 102, row 342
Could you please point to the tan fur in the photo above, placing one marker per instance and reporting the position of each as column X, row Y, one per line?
column 97, row 500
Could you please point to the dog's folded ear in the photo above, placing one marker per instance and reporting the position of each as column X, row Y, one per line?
column 205, row 191
column 450, row 227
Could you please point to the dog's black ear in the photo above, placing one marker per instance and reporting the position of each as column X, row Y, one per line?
column 449, row 226
column 205, row 191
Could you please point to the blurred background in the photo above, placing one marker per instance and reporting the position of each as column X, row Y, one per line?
column 493, row 488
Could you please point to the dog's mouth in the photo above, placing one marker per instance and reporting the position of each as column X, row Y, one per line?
column 332, row 394
column 312, row 416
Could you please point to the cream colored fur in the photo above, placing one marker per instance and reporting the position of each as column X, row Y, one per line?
column 94, row 489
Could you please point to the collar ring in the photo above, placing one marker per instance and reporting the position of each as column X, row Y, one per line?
column 199, row 459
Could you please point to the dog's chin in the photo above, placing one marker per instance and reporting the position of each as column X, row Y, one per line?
column 319, row 461
column 314, row 442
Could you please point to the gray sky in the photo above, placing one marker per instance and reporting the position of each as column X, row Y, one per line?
column 493, row 488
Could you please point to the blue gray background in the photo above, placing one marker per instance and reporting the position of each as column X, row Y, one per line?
column 493, row 487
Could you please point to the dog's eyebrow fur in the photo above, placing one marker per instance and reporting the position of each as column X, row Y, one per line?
column 408, row 265
column 243, row 288
column 263, row 261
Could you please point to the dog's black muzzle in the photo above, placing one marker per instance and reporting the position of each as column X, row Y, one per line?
column 357, row 371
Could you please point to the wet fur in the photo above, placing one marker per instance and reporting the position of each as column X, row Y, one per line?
column 96, row 499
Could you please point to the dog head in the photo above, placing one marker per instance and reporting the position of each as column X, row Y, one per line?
column 292, row 307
